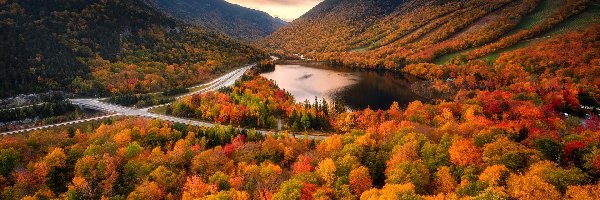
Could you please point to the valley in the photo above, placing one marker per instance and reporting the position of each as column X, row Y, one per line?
column 361, row 99
column 238, row 22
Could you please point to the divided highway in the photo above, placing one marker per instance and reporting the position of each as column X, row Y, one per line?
column 57, row 125
column 117, row 110
column 226, row 80
column 221, row 82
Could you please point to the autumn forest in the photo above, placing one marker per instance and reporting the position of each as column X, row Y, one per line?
column 181, row 109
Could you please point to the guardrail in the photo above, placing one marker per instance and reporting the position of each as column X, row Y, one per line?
column 117, row 110
column 59, row 124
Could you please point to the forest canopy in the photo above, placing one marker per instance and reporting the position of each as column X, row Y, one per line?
column 107, row 46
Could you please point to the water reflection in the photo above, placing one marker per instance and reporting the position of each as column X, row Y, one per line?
column 355, row 89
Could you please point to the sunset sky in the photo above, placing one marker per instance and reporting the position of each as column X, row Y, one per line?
column 285, row 9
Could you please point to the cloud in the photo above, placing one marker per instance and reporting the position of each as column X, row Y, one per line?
column 285, row 9
column 279, row 2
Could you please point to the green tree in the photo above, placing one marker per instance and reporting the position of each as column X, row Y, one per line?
column 8, row 160
column 221, row 180
column 409, row 172
column 290, row 190
column 435, row 155
column 305, row 121
column 551, row 149
column 164, row 177
column 133, row 149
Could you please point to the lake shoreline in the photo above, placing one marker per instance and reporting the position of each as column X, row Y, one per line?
column 357, row 89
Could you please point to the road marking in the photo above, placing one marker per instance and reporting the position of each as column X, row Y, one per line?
column 221, row 82
column 96, row 104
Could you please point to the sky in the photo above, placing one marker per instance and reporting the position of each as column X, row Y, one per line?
column 287, row 10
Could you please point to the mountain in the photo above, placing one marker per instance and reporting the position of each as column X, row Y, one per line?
column 235, row 21
column 106, row 46
column 393, row 33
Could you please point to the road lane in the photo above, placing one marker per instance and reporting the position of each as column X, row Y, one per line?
column 57, row 125
column 226, row 80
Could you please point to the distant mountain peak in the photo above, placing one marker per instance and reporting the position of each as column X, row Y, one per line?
column 233, row 20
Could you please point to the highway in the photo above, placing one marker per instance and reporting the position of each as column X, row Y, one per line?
column 27, row 106
column 226, row 80
column 57, row 125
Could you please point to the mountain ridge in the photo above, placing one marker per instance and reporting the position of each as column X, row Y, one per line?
column 233, row 20
column 106, row 46
column 393, row 34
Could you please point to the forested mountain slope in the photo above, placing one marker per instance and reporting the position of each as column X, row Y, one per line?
column 235, row 21
column 100, row 46
column 392, row 34
column 504, row 136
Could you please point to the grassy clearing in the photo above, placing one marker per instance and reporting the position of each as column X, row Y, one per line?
column 586, row 18
column 448, row 57
column 159, row 110
column 545, row 9
column 361, row 49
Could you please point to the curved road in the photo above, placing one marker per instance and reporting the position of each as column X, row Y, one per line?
column 117, row 110
column 57, row 125
column 226, row 80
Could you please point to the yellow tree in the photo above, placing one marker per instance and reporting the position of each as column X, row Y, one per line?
column 146, row 191
column 326, row 170
column 52, row 161
column 195, row 188
column 531, row 187
column 463, row 153
column 79, row 189
column 494, row 174
column 331, row 145
column 585, row 192
column 391, row 191
column 443, row 181
column 404, row 153
column 123, row 138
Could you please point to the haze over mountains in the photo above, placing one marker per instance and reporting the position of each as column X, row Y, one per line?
column 235, row 21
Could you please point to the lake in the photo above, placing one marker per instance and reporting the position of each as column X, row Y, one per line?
column 355, row 89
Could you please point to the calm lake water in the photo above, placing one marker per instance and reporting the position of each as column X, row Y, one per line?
column 355, row 89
